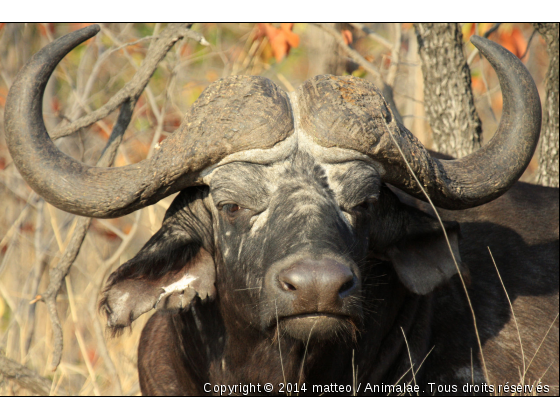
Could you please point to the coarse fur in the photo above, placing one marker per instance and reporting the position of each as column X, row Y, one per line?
column 407, row 284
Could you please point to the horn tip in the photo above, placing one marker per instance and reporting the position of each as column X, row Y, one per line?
column 92, row 29
column 478, row 40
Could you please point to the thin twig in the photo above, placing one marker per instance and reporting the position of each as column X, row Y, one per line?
column 305, row 354
column 513, row 315
column 353, row 54
column 38, row 269
column 98, row 277
column 28, row 379
column 490, row 31
column 541, row 343
column 528, row 44
column 376, row 37
column 80, row 338
column 409, row 357
column 279, row 345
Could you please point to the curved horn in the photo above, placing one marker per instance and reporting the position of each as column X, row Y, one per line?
column 234, row 114
column 356, row 117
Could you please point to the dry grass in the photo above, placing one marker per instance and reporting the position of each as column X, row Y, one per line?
column 33, row 234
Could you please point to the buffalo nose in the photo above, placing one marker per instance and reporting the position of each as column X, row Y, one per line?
column 324, row 280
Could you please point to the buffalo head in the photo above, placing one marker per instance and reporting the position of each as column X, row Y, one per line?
column 285, row 214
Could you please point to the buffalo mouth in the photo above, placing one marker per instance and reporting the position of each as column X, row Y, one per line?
column 319, row 326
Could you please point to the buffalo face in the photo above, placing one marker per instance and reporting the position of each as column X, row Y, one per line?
column 289, row 239
column 293, row 247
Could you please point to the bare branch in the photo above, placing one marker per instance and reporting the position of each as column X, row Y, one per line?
column 127, row 97
column 26, row 378
column 58, row 273
column 490, row 31
column 373, row 35
column 353, row 54
column 133, row 89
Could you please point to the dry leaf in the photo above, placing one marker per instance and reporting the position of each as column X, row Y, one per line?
column 347, row 35
column 281, row 39
column 514, row 41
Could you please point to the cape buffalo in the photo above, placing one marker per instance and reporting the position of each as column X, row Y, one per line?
column 298, row 256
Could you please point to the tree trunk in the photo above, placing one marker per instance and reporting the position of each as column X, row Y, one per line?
column 325, row 56
column 547, row 173
column 448, row 97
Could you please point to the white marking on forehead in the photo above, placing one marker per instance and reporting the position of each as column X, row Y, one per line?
column 347, row 218
column 262, row 219
column 240, row 248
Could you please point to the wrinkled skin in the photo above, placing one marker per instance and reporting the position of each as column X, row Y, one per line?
column 271, row 217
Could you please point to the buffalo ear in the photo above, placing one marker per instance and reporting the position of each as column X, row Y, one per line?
column 173, row 268
column 131, row 291
column 422, row 259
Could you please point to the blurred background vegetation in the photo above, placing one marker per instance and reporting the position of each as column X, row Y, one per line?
column 33, row 234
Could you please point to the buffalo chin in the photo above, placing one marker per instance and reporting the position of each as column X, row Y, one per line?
column 319, row 326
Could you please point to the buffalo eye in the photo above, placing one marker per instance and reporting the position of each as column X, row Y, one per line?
column 231, row 209
column 364, row 205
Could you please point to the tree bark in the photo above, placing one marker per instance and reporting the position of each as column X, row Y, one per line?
column 547, row 173
column 325, row 55
column 448, row 97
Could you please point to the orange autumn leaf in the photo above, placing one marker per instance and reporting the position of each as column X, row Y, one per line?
column 347, row 35
column 291, row 38
column 514, row 41
column 281, row 39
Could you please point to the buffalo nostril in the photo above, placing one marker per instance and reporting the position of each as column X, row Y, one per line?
column 347, row 286
column 287, row 286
